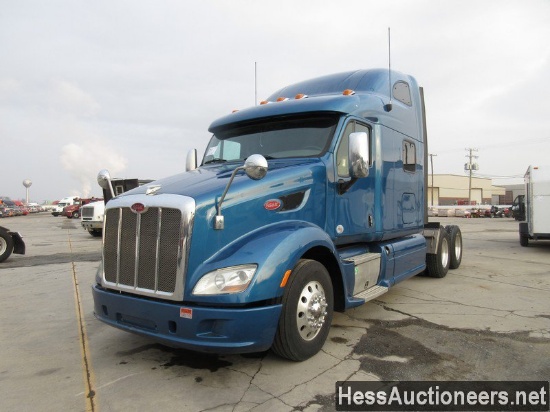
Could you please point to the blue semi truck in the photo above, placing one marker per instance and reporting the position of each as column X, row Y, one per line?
column 312, row 202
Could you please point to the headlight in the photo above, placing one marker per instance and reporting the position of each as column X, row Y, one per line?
column 227, row 280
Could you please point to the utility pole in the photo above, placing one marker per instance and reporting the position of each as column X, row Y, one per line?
column 432, row 163
column 470, row 166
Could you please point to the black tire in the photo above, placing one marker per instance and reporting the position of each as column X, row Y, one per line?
column 523, row 240
column 95, row 232
column 455, row 246
column 438, row 264
column 76, row 215
column 308, row 304
column 6, row 245
column 524, row 234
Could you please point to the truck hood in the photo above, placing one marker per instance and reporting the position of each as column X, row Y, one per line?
column 208, row 182
column 297, row 188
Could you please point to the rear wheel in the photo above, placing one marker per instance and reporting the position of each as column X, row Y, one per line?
column 524, row 234
column 308, row 304
column 523, row 240
column 455, row 246
column 6, row 245
column 438, row 263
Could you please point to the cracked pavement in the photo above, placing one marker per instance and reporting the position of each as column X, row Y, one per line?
column 487, row 320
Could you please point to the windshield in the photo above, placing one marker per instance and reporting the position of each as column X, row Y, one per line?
column 274, row 139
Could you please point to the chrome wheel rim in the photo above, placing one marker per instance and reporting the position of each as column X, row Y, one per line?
column 311, row 311
column 3, row 246
column 458, row 246
column 444, row 253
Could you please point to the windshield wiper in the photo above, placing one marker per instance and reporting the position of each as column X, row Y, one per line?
column 215, row 161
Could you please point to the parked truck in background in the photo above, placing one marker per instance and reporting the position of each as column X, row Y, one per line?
column 66, row 201
column 91, row 217
column 92, row 214
column 73, row 211
column 313, row 201
column 536, row 205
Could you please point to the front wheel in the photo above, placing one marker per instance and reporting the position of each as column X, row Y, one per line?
column 6, row 245
column 76, row 215
column 308, row 305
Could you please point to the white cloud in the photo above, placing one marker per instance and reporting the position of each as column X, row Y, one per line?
column 84, row 160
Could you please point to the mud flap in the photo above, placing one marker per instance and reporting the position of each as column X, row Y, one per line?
column 18, row 243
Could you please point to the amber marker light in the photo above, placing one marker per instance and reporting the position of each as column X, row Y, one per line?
column 348, row 92
column 285, row 278
column 300, row 96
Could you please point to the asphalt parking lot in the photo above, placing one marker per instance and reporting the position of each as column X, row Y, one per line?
column 487, row 320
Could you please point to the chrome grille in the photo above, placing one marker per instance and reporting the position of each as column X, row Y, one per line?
column 86, row 212
column 145, row 253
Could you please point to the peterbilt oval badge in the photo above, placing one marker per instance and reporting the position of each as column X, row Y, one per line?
column 138, row 208
column 272, row 204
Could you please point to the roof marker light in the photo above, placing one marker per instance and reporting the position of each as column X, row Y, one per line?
column 300, row 96
column 348, row 92
column 235, row 111
column 282, row 99
column 264, row 102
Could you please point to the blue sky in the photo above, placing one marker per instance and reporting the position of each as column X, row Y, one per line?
column 131, row 86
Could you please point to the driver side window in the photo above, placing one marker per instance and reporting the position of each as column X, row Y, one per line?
column 343, row 150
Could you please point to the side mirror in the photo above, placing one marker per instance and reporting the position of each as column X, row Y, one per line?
column 255, row 168
column 191, row 160
column 359, row 154
column 104, row 180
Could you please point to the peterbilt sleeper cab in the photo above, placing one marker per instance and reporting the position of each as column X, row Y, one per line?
column 309, row 203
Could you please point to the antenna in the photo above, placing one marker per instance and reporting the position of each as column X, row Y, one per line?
column 255, row 83
column 388, row 107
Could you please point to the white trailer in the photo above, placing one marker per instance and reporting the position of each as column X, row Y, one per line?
column 537, row 205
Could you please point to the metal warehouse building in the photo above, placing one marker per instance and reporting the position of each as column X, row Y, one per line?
column 450, row 190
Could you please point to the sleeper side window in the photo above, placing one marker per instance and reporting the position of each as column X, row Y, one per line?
column 409, row 156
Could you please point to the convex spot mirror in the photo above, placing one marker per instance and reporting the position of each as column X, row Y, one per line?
column 359, row 154
column 255, row 167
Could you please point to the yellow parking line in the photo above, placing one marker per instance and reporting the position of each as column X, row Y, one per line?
column 87, row 369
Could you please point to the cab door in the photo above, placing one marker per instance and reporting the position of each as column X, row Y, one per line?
column 354, row 197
